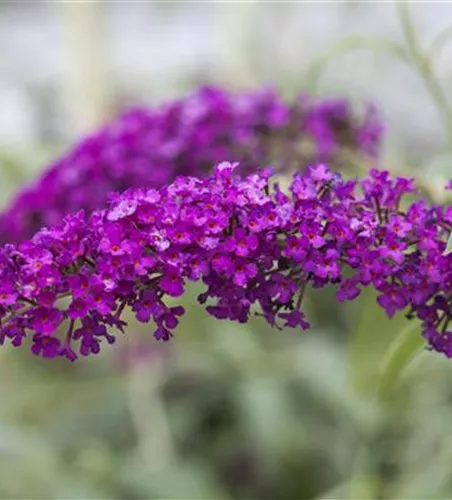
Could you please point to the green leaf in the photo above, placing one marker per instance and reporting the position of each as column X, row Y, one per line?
column 364, row 486
column 448, row 245
column 372, row 340
column 408, row 343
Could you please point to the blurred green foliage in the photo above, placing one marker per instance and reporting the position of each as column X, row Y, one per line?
column 233, row 411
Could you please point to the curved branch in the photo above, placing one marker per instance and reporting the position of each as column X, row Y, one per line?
column 350, row 44
column 438, row 44
column 423, row 64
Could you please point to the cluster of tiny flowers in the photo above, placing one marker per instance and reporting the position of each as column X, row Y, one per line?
column 255, row 247
column 151, row 147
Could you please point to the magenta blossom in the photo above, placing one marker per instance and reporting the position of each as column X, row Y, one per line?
column 151, row 147
column 349, row 235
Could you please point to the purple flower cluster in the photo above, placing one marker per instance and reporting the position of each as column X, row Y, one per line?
column 150, row 147
column 254, row 246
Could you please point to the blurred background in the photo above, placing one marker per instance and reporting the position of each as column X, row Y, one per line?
column 345, row 410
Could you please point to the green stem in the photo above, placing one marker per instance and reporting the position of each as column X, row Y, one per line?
column 422, row 63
